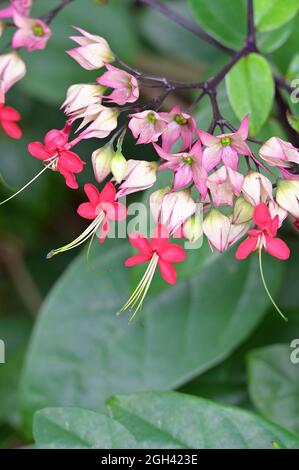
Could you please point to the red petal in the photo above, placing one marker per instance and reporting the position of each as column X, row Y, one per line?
column 173, row 254
column 104, row 230
column 262, row 216
column 137, row 259
column 38, row 150
column 168, row 271
column 108, row 193
column 141, row 244
column 87, row 211
column 160, row 238
column 277, row 247
column 246, row 247
column 70, row 161
column 11, row 129
column 69, row 179
column 92, row 193
column 10, row 114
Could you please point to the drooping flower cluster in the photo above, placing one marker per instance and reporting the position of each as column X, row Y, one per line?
column 31, row 34
column 236, row 189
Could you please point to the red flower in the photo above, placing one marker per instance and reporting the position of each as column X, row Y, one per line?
column 264, row 237
column 56, row 150
column 159, row 246
column 102, row 202
column 8, row 118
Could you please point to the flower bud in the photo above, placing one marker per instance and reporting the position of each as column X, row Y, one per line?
column 93, row 51
column 101, row 162
column 118, row 166
column 287, row 196
column 80, row 96
column 156, row 199
column 243, row 211
column 193, row 228
column 277, row 152
column 12, row 69
column 256, row 188
column 140, row 175
column 216, row 227
column 176, row 208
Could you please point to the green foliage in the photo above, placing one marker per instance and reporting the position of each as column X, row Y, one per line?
column 250, row 89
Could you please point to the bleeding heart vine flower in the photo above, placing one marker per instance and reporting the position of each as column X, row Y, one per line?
column 12, row 69
column 102, row 208
column 278, row 152
column 159, row 253
column 147, row 126
column 23, row 7
column 180, row 126
column 125, row 86
column 225, row 147
column 32, row 33
column 79, row 97
column 264, row 238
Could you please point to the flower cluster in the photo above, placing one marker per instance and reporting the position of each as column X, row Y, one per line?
column 240, row 192
column 31, row 34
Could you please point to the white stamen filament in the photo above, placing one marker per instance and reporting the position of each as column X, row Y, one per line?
column 142, row 289
column 53, row 161
column 88, row 233
column 266, row 287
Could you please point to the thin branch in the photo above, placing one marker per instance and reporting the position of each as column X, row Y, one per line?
column 186, row 23
column 250, row 22
column 50, row 15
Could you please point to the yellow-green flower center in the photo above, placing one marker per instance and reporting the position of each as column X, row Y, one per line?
column 151, row 118
column 38, row 30
column 225, row 141
column 179, row 119
column 188, row 160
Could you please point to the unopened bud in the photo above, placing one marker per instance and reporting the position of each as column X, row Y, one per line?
column 193, row 229
column 243, row 211
column 118, row 166
column 101, row 162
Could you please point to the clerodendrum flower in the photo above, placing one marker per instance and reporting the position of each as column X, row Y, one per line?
column 264, row 238
column 8, row 120
column 159, row 252
column 125, row 86
column 101, row 208
column 32, row 33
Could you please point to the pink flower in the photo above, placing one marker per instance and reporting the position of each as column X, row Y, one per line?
column 140, row 175
column 224, row 184
column 22, row 7
column 180, row 125
column 32, row 33
column 94, row 51
column 277, row 152
column 12, row 69
column 225, row 147
column 188, row 167
column 264, row 237
column 55, row 153
column 171, row 209
column 102, row 121
column 148, row 126
column 8, row 119
column 102, row 202
column 80, row 96
column 125, row 86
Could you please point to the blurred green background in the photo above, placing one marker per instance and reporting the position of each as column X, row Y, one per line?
column 195, row 337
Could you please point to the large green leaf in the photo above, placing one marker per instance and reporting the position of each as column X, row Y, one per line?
column 250, row 89
column 51, row 71
column 81, row 353
column 74, row 428
column 173, row 420
column 271, row 14
column 274, row 384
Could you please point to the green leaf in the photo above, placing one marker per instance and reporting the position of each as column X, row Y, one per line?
column 173, row 420
column 14, row 331
column 272, row 14
column 250, row 89
column 74, row 428
column 274, row 384
column 223, row 19
column 52, row 71
column 293, row 121
column 88, row 353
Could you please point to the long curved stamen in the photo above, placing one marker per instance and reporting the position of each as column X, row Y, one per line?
column 266, row 287
column 89, row 232
column 141, row 290
column 29, row 182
